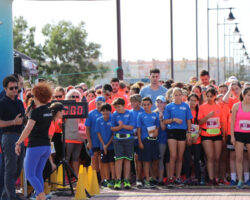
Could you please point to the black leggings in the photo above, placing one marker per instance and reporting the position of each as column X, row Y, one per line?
column 195, row 150
column 57, row 139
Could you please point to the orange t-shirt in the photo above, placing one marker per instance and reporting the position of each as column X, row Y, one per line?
column 212, row 123
column 52, row 128
column 231, row 102
column 194, row 116
column 226, row 115
column 57, row 126
column 92, row 105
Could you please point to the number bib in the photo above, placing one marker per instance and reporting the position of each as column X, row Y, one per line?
column 244, row 125
column 213, row 122
column 52, row 148
column 194, row 130
column 150, row 130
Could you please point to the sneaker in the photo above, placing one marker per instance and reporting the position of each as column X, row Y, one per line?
column 139, row 184
column 248, row 182
column 233, row 183
column 126, row 184
column 215, row 183
column 171, row 181
column 165, row 180
column 153, row 182
column 240, row 185
column 202, row 182
column 221, row 182
column 48, row 196
column 111, row 183
column 147, row 184
column 104, row 183
column 210, row 183
column 178, row 181
column 161, row 183
column 188, row 181
column 117, row 185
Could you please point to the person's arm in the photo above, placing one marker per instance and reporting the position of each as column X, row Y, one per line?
column 116, row 128
column 234, row 111
column 156, row 132
column 27, row 130
column 100, row 139
column 17, row 121
column 89, row 145
column 128, row 127
column 110, row 141
column 227, row 95
column 162, row 124
column 204, row 119
column 139, row 138
column 53, row 166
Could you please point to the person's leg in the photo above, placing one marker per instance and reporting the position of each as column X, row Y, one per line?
column 146, row 166
column 196, row 150
column 57, row 139
column 245, row 166
column 10, row 165
column 217, row 156
column 187, row 161
column 76, row 157
column 127, row 166
column 181, row 148
column 167, row 162
column 162, row 148
column 112, row 170
column 233, row 165
column 138, row 167
column 128, row 146
column 209, row 152
column 118, row 168
column 239, row 146
column 223, row 161
column 172, row 144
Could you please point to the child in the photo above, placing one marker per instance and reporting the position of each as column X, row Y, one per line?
column 147, row 127
column 122, row 125
column 135, row 101
column 103, row 130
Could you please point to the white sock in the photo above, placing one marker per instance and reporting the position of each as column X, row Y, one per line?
column 233, row 176
column 246, row 176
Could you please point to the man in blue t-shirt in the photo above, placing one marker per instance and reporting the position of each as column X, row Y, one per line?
column 148, row 124
column 122, row 126
column 154, row 89
column 103, row 130
column 93, row 142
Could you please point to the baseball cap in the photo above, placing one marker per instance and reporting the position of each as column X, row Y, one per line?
column 162, row 98
column 57, row 106
column 100, row 98
column 231, row 79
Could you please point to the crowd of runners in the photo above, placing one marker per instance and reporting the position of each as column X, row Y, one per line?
column 163, row 133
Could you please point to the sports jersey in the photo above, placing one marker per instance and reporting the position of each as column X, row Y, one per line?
column 180, row 111
column 162, row 134
column 147, row 122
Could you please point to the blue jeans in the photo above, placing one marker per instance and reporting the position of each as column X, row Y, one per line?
column 13, row 165
column 34, row 163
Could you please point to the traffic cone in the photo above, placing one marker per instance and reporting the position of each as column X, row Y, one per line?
column 53, row 179
column 81, row 184
column 46, row 187
column 93, row 182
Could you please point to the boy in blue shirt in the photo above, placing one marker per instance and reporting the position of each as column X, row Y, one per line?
column 147, row 127
column 122, row 125
column 135, row 101
column 93, row 142
column 103, row 130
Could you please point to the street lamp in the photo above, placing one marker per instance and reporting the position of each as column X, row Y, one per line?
column 230, row 18
column 240, row 40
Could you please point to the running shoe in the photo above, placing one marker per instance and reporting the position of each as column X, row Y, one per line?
column 178, row 182
column 240, row 185
column 111, row 183
column 202, row 182
column 104, row 183
column 171, row 181
column 117, row 185
column 147, row 184
column 153, row 182
column 233, row 183
column 248, row 183
column 161, row 183
column 139, row 184
column 126, row 184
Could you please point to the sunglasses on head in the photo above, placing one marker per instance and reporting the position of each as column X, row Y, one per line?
column 59, row 96
column 12, row 88
column 74, row 97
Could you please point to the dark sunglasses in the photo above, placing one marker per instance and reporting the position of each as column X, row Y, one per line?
column 12, row 88
column 59, row 96
column 74, row 97
column 126, row 92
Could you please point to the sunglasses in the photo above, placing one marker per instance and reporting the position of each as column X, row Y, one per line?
column 75, row 97
column 12, row 88
column 126, row 92
column 59, row 96
column 99, row 92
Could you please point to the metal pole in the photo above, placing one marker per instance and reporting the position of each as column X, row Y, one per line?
column 208, row 63
column 119, row 45
column 224, row 49
column 197, row 41
column 171, row 35
column 233, row 53
column 218, row 58
column 229, row 48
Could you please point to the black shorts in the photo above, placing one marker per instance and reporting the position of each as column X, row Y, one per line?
column 136, row 149
column 150, row 151
column 177, row 134
column 213, row 138
column 242, row 137
column 95, row 149
column 109, row 157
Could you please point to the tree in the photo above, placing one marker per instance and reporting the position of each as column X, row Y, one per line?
column 68, row 54
column 24, row 39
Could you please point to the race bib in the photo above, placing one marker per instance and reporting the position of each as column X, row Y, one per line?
column 244, row 125
column 150, row 130
column 213, row 122
column 194, row 130
column 52, row 148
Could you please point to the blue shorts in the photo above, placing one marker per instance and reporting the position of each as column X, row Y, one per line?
column 150, row 152
column 109, row 157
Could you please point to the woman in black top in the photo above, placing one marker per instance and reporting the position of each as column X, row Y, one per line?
column 38, row 150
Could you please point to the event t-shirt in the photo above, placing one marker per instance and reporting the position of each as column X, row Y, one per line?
column 135, row 114
column 180, row 111
column 126, row 118
column 162, row 134
column 153, row 94
column 91, row 122
column 104, row 128
column 39, row 134
column 146, row 122
column 213, row 122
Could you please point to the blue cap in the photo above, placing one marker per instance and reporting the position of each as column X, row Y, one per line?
column 100, row 98
column 162, row 98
